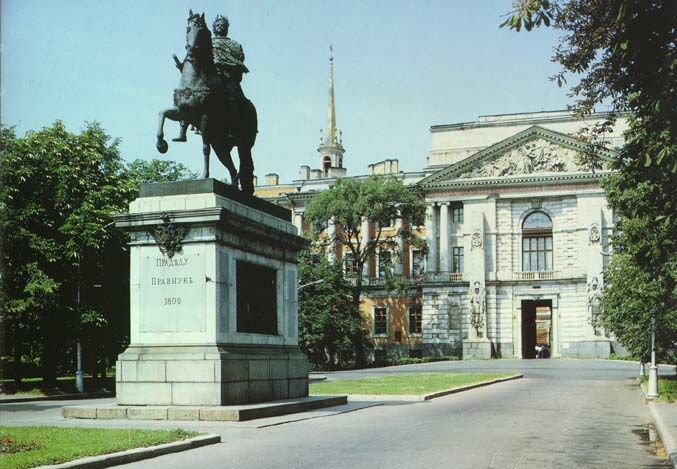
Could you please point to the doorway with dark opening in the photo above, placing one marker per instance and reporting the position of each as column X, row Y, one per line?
column 536, row 328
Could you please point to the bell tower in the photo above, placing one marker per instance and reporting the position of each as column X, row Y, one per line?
column 331, row 145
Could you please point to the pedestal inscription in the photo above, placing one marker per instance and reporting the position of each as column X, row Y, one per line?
column 173, row 289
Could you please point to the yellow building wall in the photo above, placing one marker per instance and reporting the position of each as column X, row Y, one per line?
column 272, row 191
column 398, row 311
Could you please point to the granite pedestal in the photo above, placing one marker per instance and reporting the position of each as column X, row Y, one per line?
column 477, row 349
column 213, row 287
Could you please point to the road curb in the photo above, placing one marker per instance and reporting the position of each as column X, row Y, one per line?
column 663, row 430
column 427, row 397
column 137, row 454
column 59, row 397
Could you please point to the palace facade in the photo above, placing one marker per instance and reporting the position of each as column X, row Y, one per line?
column 518, row 234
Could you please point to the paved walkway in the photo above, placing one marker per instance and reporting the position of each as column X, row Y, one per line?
column 564, row 413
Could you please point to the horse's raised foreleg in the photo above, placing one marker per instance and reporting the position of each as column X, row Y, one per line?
column 171, row 113
column 204, row 130
column 222, row 150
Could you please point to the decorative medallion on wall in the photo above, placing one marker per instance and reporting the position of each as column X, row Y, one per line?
column 594, row 234
column 476, row 238
column 169, row 236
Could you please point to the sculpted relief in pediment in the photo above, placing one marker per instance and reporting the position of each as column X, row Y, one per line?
column 535, row 156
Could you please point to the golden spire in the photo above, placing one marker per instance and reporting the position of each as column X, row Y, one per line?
column 331, row 110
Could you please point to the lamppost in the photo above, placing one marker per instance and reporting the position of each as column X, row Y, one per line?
column 79, row 383
column 652, row 391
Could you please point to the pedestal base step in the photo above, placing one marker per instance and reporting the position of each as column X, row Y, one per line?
column 234, row 413
column 477, row 349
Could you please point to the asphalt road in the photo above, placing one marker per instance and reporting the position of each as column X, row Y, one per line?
column 564, row 413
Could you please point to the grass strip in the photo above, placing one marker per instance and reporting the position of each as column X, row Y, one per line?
column 407, row 384
column 667, row 388
column 22, row 447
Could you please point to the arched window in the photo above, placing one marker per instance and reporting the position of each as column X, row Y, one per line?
column 537, row 243
column 326, row 164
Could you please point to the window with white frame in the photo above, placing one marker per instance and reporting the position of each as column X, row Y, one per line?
column 385, row 263
column 380, row 320
column 415, row 319
column 389, row 223
column 537, row 243
column 457, row 259
column 457, row 214
column 417, row 263
column 350, row 263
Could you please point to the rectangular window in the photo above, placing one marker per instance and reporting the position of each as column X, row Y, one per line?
column 415, row 319
column 537, row 254
column 389, row 223
column 417, row 263
column 457, row 214
column 385, row 264
column 350, row 263
column 457, row 260
column 380, row 321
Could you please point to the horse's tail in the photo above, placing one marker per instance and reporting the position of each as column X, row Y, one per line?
column 250, row 123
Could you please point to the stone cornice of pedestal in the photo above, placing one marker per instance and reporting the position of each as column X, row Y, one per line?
column 212, row 186
column 219, row 217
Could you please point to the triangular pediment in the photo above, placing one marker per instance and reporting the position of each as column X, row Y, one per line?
column 532, row 152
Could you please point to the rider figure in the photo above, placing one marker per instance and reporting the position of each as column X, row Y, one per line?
column 229, row 62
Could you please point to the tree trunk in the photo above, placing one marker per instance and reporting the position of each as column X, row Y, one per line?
column 18, row 366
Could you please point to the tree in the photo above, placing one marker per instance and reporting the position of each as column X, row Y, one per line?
column 378, row 199
column 155, row 170
column 56, row 192
column 625, row 53
column 327, row 320
column 64, row 267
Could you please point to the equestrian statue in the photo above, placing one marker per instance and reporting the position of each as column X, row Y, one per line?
column 209, row 98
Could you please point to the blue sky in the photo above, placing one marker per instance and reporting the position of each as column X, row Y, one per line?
column 400, row 67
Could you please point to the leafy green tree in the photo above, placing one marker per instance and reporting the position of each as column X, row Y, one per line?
column 56, row 192
column 64, row 267
column 379, row 199
column 624, row 55
column 327, row 317
column 155, row 170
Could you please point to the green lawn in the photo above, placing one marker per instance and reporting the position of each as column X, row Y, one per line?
column 667, row 388
column 34, row 446
column 405, row 384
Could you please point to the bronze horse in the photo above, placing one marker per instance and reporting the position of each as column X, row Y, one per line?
column 201, row 100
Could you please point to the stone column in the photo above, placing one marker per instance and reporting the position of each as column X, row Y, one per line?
column 364, row 232
column 398, row 259
column 430, row 232
column 444, row 238
column 298, row 222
